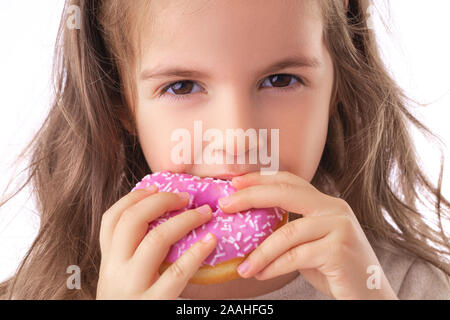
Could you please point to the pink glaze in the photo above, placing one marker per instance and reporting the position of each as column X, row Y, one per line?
column 237, row 233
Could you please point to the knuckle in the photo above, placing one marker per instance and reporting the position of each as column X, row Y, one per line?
column 291, row 256
column 288, row 231
column 156, row 237
column 177, row 271
column 127, row 214
column 285, row 187
column 343, row 206
column 345, row 223
column 262, row 255
column 284, row 174
column 106, row 218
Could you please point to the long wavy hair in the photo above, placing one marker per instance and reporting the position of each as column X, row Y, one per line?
column 86, row 154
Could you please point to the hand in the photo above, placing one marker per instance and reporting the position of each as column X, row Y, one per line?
column 131, row 257
column 327, row 245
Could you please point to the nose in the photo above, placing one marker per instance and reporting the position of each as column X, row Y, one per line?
column 235, row 118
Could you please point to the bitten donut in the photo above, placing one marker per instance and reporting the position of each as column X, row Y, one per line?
column 237, row 234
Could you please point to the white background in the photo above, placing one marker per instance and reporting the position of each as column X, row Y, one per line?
column 417, row 51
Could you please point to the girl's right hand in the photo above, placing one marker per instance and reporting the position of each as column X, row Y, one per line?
column 130, row 258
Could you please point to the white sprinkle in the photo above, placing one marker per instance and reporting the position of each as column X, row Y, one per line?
column 167, row 186
column 242, row 226
column 238, row 236
column 204, row 187
column 257, row 216
column 262, row 233
column 203, row 227
column 254, row 239
column 240, row 215
column 278, row 213
column 213, row 260
column 231, row 239
column 189, row 238
column 265, row 226
column 220, row 246
column 191, row 187
column 236, row 246
column 219, row 255
column 247, row 238
column 270, row 229
column 247, row 218
column 179, row 253
column 252, row 224
column 271, row 216
column 240, row 254
column 215, row 226
column 195, row 234
column 248, row 247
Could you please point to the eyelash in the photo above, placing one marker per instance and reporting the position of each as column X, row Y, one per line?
column 185, row 96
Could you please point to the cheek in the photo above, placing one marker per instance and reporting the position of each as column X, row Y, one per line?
column 154, row 133
column 303, row 136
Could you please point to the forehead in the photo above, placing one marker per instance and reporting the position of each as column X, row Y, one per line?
column 236, row 29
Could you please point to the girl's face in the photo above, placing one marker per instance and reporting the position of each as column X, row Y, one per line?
column 216, row 61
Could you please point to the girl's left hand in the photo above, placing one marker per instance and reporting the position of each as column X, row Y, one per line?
column 327, row 245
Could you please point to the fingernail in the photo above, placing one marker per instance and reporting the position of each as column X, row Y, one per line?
column 243, row 267
column 204, row 209
column 209, row 237
column 183, row 195
column 225, row 201
column 151, row 188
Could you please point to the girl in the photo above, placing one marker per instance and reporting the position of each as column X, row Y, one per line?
column 348, row 172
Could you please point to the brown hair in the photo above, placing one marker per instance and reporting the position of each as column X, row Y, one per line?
column 86, row 155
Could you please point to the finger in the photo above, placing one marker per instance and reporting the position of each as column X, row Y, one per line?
column 256, row 177
column 292, row 234
column 173, row 281
column 310, row 255
column 296, row 199
column 112, row 215
column 133, row 223
column 155, row 246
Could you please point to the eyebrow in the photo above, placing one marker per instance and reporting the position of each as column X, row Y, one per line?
column 289, row 62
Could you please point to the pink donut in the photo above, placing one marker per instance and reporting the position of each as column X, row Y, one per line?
column 238, row 234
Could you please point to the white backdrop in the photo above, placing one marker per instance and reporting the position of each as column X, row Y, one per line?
column 417, row 52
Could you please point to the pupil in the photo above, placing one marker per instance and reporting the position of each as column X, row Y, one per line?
column 280, row 77
column 187, row 88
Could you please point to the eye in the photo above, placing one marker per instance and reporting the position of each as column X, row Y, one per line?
column 283, row 81
column 179, row 89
